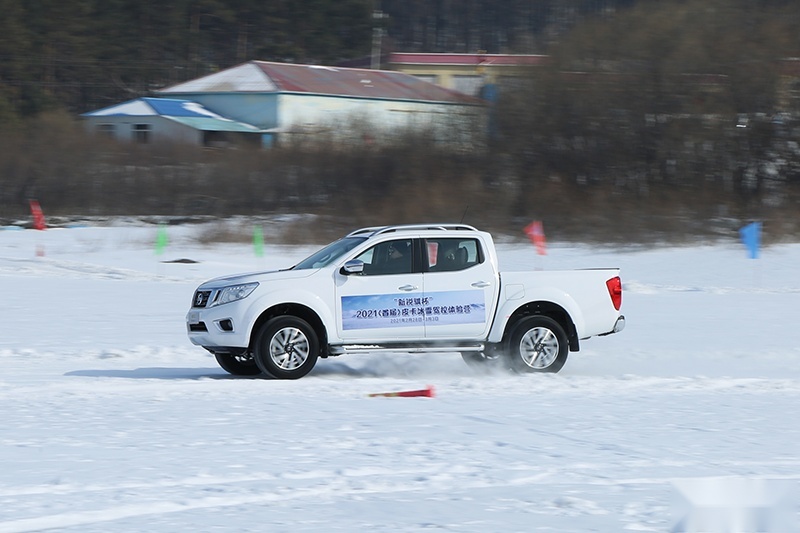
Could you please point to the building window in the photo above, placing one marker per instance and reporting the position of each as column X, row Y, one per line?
column 430, row 78
column 106, row 130
column 141, row 133
column 468, row 84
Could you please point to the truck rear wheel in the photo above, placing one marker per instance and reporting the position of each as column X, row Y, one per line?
column 286, row 347
column 482, row 361
column 537, row 344
column 238, row 365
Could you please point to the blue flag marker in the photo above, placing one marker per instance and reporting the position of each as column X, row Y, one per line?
column 751, row 237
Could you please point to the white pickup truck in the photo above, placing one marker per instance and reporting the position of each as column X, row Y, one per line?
column 412, row 288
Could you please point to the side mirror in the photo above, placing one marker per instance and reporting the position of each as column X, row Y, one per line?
column 354, row 266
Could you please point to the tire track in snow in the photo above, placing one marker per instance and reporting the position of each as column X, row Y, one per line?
column 655, row 288
column 66, row 269
column 331, row 485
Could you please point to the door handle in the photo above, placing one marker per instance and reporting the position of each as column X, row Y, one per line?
column 481, row 284
column 408, row 288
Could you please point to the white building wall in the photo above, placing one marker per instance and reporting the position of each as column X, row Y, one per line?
column 311, row 112
column 159, row 129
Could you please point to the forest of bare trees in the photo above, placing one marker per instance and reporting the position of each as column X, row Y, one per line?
column 86, row 54
column 652, row 120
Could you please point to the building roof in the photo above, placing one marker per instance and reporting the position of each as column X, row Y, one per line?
column 267, row 77
column 184, row 111
column 401, row 58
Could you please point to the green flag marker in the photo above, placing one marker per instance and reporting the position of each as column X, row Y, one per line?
column 258, row 241
column 161, row 240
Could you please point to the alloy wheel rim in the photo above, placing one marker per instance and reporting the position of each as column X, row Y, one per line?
column 289, row 348
column 538, row 348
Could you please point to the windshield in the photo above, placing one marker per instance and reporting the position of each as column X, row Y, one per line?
column 329, row 254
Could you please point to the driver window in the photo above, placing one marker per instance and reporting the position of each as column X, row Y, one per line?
column 392, row 257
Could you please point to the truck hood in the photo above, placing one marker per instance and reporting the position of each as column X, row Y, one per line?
column 261, row 277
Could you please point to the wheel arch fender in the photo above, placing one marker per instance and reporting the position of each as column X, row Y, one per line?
column 568, row 316
column 309, row 309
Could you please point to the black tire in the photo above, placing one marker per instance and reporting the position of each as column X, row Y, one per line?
column 481, row 361
column 537, row 344
column 286, row 347
column 238, row 365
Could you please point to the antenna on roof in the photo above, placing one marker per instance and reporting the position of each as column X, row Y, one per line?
column 464, row 214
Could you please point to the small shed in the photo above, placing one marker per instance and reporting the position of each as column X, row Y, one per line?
column 150, row 120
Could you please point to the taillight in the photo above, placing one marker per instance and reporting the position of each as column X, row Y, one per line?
column 615, row 291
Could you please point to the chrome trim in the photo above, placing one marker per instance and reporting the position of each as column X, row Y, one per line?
column 223, row 330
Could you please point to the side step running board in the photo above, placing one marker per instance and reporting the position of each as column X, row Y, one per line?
column 374, row 348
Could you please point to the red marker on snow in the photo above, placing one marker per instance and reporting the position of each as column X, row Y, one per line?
column 535, row 233
column 38, row 215
column 426, row 392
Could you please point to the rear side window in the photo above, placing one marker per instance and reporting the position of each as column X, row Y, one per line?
column 452, row 254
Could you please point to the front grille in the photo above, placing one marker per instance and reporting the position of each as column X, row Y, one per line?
column 201, row 298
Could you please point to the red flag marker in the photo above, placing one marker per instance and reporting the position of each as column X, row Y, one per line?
column 426, row 392
column 535, row 233
column 38, row 215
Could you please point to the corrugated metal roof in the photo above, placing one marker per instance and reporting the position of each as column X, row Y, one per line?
column 240, row 79
column 180, row 108
column 132, row 108
column 184, row 111
column 142, row 107
column 263, row 76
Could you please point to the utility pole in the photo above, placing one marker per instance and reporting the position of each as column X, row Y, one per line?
column 377, row 37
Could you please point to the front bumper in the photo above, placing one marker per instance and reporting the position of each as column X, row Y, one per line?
column 215, row 327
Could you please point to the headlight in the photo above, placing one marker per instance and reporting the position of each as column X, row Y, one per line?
column 233, row 293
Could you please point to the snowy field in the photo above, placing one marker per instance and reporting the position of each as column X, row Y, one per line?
column 110, row 420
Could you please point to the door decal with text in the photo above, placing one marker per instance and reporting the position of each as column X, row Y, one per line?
column 399, row 310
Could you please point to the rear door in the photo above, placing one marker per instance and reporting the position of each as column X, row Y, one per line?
column 461, row 286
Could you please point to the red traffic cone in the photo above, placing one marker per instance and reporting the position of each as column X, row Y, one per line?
column 426, row 392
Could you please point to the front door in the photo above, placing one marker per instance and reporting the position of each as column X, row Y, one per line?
column 385, row 302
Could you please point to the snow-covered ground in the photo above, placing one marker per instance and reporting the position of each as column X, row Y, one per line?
column 110, row 420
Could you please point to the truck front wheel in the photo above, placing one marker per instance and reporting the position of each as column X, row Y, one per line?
column 286, row 347
column 537, row 344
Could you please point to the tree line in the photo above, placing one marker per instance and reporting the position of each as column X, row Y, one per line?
column 687, row 110
column 80, row 55
column 83, row 54
column 656, row 119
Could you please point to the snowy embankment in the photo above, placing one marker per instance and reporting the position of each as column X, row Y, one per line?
column 112, row 421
